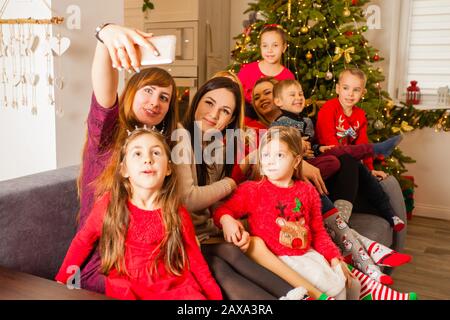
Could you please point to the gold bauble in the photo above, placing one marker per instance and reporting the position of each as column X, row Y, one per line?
column 390, row 104
column 309, row 55
column 346, row 12
column 304, row 29
column 247, row 39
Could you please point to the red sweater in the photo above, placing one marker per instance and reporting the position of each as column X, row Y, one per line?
column 145, row 233
column 289, row 220
column 251, row 72
column 333, row 127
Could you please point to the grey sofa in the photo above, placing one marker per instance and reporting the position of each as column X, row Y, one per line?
column 38, row 220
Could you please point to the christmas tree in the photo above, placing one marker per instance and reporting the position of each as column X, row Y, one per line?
column 324, row 38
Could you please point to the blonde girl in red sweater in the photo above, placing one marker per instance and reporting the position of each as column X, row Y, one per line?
column 285, row 213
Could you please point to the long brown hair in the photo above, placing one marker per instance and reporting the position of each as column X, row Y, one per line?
column 115, row 225
column 291, row 137
column 236, row 123
column 128, row 120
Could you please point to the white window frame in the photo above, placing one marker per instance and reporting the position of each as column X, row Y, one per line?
column 400, row 43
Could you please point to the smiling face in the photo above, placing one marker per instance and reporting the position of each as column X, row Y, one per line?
column 350, row 90
column 278, row 163
column 151, row 103
column 291, row 99
column 263, row 99
column 215, row 110
column 146, row 163
column 272, row 47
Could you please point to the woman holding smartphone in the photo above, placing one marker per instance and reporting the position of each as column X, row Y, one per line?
column 149, row 98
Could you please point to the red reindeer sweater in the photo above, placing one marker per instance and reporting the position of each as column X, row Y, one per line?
column 289, row 220
column 333, row 127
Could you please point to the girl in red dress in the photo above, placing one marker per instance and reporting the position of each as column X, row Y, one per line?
column 146, row 239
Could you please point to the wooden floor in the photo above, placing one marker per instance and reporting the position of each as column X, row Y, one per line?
column 428, row 274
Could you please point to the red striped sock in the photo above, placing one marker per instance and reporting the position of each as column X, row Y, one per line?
column 323, row 296
column 372, row 290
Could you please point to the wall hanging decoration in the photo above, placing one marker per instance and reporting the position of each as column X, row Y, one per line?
column 19, row 42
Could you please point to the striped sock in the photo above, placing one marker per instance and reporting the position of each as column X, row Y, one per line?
column 323, row 296
column 372, row 290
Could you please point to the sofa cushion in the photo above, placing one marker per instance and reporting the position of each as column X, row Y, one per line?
column 37, row 220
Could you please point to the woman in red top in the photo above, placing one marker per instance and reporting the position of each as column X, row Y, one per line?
column 140, row 256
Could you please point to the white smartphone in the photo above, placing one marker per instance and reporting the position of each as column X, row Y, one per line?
column 166, row 46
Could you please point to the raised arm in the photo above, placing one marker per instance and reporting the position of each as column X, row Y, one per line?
column 120, row 49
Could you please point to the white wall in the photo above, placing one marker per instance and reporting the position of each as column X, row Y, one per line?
column 32, row 144
column 236, row 17
column 430, row 149
column 27, row 142
column 76, row 67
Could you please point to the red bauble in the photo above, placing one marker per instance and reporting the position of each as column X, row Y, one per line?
column 376, row 57
column 354, row 2
column 348, row 33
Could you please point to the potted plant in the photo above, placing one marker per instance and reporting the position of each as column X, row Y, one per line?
column 147, row 6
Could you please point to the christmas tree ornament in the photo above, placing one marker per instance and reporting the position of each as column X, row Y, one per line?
column 404, row 127
column 376, row 57
column 378, row 125
column 364, row 28
column 354, row 2
column 328, row 75
column 339, row 52
column 348, row 33
column 309, row 55
column 346, row 12
column 390, row 104
column 304, row 29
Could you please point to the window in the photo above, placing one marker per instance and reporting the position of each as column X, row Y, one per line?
column 424, row 48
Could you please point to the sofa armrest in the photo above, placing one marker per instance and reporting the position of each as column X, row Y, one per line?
column 37, row 220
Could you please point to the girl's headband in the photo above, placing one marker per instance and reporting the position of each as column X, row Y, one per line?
column 145, row 128
column 273, row 25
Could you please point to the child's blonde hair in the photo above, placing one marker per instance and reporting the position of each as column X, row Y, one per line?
column 115, row 224
column 355, row 72
column 293, row 140
column 282, row 85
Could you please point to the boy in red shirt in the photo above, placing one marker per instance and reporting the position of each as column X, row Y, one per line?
column 341, row 122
